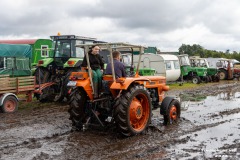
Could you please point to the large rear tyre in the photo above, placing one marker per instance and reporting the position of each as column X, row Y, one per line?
column 10, row 104
column 222, row 74
column 205, row 79
column 43, row 76
column 210, row 78
column 215, row 78
column 77, row 108
column 133, row 111
column 173, row 113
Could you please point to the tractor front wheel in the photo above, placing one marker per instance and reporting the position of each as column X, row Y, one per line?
column 173, row 112
column 196, row 80
column 133, row 111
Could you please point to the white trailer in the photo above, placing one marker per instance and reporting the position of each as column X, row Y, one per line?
column 166, row 65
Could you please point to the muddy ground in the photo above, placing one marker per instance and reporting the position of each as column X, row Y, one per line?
column 209, row 128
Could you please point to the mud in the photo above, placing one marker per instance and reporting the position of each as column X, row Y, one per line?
column 208, row 129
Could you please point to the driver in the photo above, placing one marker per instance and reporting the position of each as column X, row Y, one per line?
column 119, row 67
column 96, row 63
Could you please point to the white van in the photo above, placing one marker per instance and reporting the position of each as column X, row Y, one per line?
column 166, row 65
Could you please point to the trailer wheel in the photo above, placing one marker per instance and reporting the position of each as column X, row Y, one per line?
column 133, row 111
column 10, row 104
column 77, row 105
column 222, row 74
column 173, row 113
column 196, row 80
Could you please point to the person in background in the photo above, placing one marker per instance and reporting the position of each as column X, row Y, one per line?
column 119, row 67
column 96, row 64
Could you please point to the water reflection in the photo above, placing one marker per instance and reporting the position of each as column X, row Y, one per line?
column 226, row 95
column 192, row 99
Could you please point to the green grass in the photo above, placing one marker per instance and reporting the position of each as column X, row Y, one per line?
column 176, row 86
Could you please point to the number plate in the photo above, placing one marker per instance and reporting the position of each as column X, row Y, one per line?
column 72, row 83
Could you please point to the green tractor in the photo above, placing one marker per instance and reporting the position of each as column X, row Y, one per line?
column 195, row 74
column 66, row 59
column 212, row 73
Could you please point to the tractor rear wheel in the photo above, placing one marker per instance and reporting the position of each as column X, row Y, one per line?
column 77, row 107
column 206, row 79
column 222, row 74
column 173, row 113
column 216, row 78
column 210, row 78
column 133, row 111
column 43, row 76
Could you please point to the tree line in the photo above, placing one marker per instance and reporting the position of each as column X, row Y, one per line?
column 197, row 50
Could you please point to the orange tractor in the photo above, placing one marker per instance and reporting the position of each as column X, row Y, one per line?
column 126, row 102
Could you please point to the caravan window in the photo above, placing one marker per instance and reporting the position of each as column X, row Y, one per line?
column 168, row 65
column 176, row 64
column 44, row 50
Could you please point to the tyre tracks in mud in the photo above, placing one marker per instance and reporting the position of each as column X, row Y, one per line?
column 28, row 130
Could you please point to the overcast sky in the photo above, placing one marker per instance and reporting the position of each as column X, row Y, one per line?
column 166, row 24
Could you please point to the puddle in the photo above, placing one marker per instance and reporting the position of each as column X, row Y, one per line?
column 215, row 127
column 209, row 128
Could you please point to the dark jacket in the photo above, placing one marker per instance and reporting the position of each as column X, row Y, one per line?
column 96, row 61
column 119, row 69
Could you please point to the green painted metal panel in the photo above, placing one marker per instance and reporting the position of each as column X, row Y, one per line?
column 38, row 53
column 46, row 62
column 75, row 62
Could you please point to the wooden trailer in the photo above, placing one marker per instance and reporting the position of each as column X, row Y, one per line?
column 10, row 87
